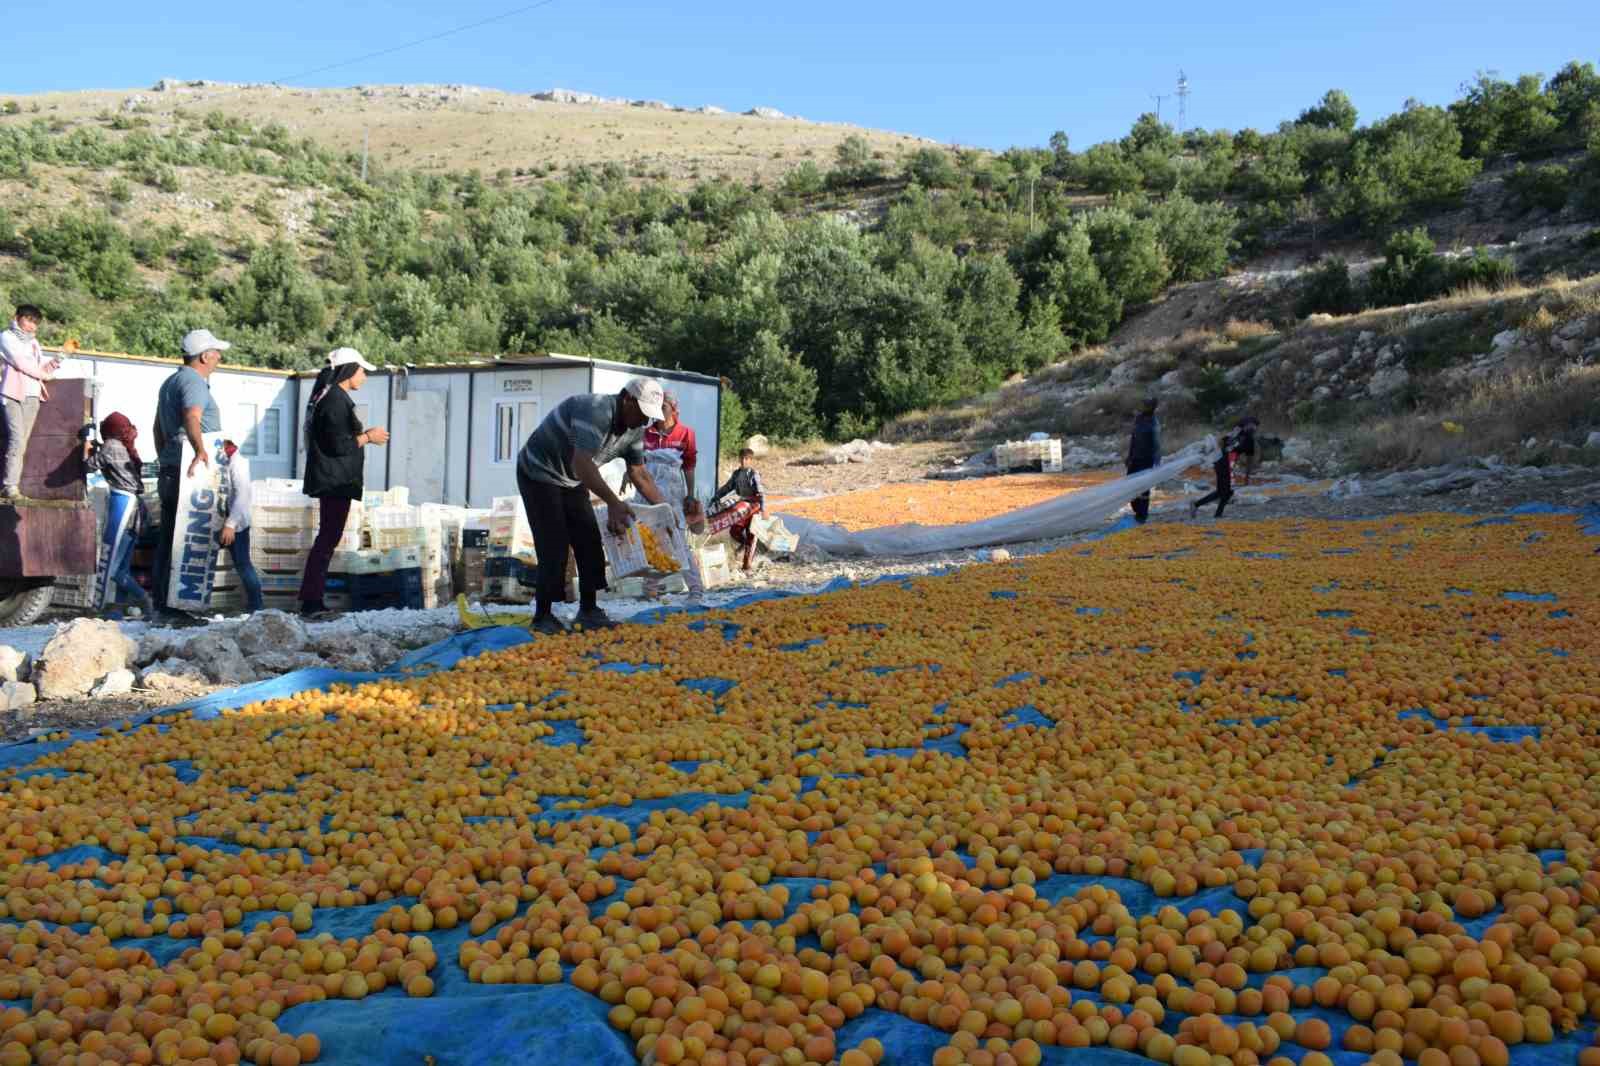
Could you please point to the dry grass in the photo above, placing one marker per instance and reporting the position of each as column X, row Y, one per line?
column 492, row 131
column 1493, row 419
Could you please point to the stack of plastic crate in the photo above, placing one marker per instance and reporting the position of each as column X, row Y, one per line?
column 509, row 565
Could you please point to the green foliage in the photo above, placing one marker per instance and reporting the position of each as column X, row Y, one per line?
column 731, row 422
column 778, row 391
column 854, row 165
column 1497, row 116
column 1408, row 161
column 1544, row 187
column 1334, row 111
column 276, row 295
column 1128, row 252
column 1197, row 238
column 805, row 180
column 932, row 168
column 1214, row 393
column 119, row 191
column 197, row 258
column 1409, row 273
column 1328, row 290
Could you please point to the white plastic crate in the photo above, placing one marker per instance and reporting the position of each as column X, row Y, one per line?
column 1014, row 454
column 363, row 561
column 282, row 540
column 407, row 557
column 398, row 537
column 625, row 554
column 711, row 562
column 283, row 516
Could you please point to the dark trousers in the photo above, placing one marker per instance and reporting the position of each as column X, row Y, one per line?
column 1141, row 502
column 1224, row 490
column 167, row 489
column 563, row 520
column 240, row 550
column 332, row 512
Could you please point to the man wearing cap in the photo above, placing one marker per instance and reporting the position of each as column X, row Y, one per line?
column 184, row 410
column 557, row 469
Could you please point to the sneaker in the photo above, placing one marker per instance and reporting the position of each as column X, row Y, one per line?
column 7, row 494
column 594, row 618
column 548, row 626
column 316, row 612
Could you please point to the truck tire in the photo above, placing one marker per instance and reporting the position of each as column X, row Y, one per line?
column 22, row 603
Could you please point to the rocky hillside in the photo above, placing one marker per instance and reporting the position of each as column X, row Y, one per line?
column 467, row 127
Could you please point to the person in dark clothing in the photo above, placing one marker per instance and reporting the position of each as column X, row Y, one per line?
column 334, row 439
column 559, row 467
column 1245, row 446
column 1224, row 471
column 1144, row 452
column 736, row 517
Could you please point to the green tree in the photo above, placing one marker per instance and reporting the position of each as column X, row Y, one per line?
column 1128, row 252
column 1060, row 277
column 854, row 164
column 1334, row 111
column 1497, row 116
column 932, row 168
column 1197, row 238
column 779, row 392
column 276, row 294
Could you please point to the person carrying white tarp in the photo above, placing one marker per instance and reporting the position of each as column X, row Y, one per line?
column 1073, row 512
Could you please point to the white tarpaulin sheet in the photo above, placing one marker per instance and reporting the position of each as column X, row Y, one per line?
column 1073, row 512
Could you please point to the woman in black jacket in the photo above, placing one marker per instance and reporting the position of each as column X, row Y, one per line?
column 334, row 439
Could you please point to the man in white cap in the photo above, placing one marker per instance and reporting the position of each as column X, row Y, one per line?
column 557, row 469
column 184, row 409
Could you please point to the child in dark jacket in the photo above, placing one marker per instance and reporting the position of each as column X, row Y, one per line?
column 746, row 485
column 117, row 459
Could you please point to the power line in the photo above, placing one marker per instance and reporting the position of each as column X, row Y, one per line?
column 412, row 44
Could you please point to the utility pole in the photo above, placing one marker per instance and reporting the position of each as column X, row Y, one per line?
column 1158, row 97
column 1183, row 100
column 365, row 131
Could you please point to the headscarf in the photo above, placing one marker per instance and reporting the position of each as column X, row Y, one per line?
column 328, row 378
column 115, row 426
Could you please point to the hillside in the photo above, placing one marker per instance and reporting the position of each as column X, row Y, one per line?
column 840, row 280
column 459, row 128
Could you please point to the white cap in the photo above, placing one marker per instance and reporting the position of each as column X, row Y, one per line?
column 345, row 356
column 648, row 392
column 199, row 341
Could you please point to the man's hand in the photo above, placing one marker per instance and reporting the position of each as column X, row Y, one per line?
column 377, row 435
column 200, row 459
column 619, row 516
column 694, row 513
column 226, row 536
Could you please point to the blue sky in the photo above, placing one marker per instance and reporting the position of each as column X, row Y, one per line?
column 984, row 74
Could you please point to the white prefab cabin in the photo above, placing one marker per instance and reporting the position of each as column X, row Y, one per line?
column 456, row 428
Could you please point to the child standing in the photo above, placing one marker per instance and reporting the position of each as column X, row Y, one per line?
column 1224, row 471
column 117, row 459
column 235, row 535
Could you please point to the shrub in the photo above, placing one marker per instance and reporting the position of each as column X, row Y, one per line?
column 932, row 168
column 1546, row 187
column 197, row 257
column 1214, row 393
column 1410, row 271
column 1197, row 238
column 803, row 181
column 730, row 422
column 1328, row 290
column 119, row 191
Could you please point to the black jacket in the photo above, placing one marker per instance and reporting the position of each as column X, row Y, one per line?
column 333, row 455
column 1144, row 445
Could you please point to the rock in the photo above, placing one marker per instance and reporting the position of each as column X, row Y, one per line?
column 1172, row 379
column 1365, row 337
column 1000, row 555
column 357, row 660
column 423, row 636
column 857, row 451
column 172, row 675
column 15, row 695
column 14, row 664
column 284, row 662
column 652, row 105
column 116, row 683
column 1567, row 345
column 230, row 671
column 1387, row 355
column 1593, row 440
column 1505, row 340
column 81, row 653
column 1389, row 380
column 214, row 642
column 271, row 631
column 1124, row 373
column 383, row 651
column 1324, row 359
column 765, row 112
column 1573, row 330
column 758, row 444
column 1321, row 392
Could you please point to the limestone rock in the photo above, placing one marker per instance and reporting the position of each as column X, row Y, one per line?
column 1505, row 340
column 1324, row 359
column 116, row 683
column 16, row 695
column 271, row 630
column 759, row 444
column 230, row 670
column 1594, row 439
column 14, row 664
column 81, row 653
column 283, row 662
column 1388, row 380
column 857, row 451
column 765, row 112
column 172, row 675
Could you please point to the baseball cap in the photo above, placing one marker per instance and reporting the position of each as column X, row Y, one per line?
column 198, row 341
column 345, row 356
column 648, row 393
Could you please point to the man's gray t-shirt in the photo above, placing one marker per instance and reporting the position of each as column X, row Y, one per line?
column 181, row 391
column 586, row 422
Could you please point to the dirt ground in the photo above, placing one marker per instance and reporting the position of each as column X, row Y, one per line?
column 795, row 472
column 86, row 713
